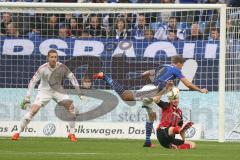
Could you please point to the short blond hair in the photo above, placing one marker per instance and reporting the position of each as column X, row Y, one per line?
column 177, row 59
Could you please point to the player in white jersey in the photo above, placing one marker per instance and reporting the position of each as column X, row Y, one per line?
column 46, row 92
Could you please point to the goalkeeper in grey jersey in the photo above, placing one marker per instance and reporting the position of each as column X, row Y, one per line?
column 51, row 75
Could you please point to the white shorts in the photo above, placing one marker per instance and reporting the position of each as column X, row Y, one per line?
column 146, row 91
column 43, row 97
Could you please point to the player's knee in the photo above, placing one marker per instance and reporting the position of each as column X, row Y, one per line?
column 71, row 108
column 66, row 103
column 34, row 109
column 126, row 97
column 28, row 116
column 176, row 130
column 152, row 116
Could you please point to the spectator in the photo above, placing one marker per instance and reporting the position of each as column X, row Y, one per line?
column 12, row 30
column 149, row 35
column 75, row 27
column 138, row 31
column 162, row 32
column 214, row 1
column 84, row 19
column 95, row 29
column 120, row 31
column 37, row 24
column 63, row 32
column 172, row 35
column 65, row 19
column 6, row 19
column 234, row 3
column 215, row 34
column 210, row 21
column 99, row 1
column 188, row 1
column 195, row 33
column 129, row 17
column 167, row 1
column 85, row 34
column 62, row 1
column 123, row 1
column 52, row 27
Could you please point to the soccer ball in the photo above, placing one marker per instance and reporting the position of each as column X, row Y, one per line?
column 173, row 94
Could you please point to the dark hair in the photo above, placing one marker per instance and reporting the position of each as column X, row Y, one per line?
column 177, row 59
column 52, row 51
column 120, row 20
column 172, row 17
column 215, row 29
column 172, row 30
column 149, row 30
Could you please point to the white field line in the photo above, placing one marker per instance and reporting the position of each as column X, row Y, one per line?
column 48, row 153
column 2, row 152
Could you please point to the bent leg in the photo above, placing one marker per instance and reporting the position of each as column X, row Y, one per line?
column 149, row 127
column 68, row 104
column 112, row 83
column 164, row 139
column 28, row 117
column 180, row 144
column 191, row 144
column 26, row 120
column 174, row 130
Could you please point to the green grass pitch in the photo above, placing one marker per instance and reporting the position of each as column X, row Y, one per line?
column 110, row 149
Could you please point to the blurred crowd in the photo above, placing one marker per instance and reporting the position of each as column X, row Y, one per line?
column 234, row 3
column 170, row 26
column 230, row 2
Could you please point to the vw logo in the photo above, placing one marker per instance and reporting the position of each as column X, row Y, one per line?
column 190, row 132
column 49, row 129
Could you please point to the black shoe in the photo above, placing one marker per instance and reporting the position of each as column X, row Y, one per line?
column 144, row 106
column 148, row 144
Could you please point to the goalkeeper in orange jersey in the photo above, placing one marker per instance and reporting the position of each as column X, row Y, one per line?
column 51, row 75
column 171, row 123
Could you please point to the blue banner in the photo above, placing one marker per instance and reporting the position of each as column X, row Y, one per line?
column 20, row 58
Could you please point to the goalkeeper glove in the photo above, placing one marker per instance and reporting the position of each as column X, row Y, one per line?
column 81, row 97
column 25, row 103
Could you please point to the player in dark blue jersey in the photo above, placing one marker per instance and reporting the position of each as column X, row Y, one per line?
column 162, row 81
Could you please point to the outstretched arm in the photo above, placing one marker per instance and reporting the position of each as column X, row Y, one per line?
column 192, row 86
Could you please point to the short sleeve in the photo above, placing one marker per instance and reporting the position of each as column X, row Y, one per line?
column 163, row 104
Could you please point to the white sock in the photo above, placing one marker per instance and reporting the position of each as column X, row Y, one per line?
column 24, row 122
column 72, row 122
column 72, row 127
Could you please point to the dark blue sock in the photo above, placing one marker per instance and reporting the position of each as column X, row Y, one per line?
column 114, row 85
column 149, row 127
